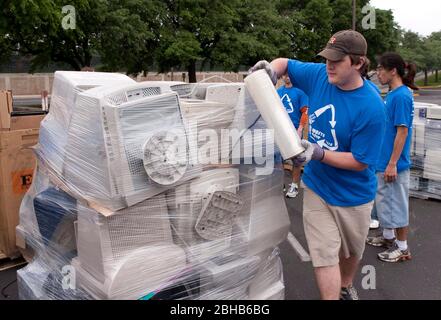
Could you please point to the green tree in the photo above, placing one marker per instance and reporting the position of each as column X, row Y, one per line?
column 342, row 14
column 382, row 38
column 433, row 45
column 130, row 35
column 123, row 33
column 36, row 29
column 221, row 33
column 258, row 32
column 313, row 22
column 310, row 27
column 413, row 49
column 136, row 35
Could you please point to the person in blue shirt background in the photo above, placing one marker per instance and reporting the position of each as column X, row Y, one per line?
column 365, row 74
column 393, row 168
column 296, row 103
column 346, row 115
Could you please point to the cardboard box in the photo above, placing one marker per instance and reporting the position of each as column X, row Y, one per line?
column 17, row 134
column 17, row 163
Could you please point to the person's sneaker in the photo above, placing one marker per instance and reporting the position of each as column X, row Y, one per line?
column 293, row 190
column 349, row 293
column 394, row 254
column 375, row 224
column 284, row 188
column 380, row 241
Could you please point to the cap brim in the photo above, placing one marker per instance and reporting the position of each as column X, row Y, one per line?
column 332, row 54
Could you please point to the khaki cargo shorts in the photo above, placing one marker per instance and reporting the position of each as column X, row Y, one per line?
column 333, row 232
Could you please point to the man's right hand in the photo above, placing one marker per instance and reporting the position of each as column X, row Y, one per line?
column 265, row 65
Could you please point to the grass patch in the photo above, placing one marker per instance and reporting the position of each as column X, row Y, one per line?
column 431, row 80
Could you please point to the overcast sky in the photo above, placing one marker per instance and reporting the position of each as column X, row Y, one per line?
column 422, row 16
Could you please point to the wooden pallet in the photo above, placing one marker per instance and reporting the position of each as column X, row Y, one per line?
column 424, row 195
column 7, row 263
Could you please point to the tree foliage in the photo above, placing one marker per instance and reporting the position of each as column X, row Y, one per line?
column 122, row 33
column 425, row 52
column 34, row 28
column 220, row 33
column 142, row 35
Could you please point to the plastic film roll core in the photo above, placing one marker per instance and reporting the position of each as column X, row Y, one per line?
column 273, row 113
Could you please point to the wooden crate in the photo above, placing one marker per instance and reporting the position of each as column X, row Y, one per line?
column 18, row 132
column 17, row 163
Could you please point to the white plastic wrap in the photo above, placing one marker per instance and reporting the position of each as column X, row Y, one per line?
column 425, row 179
column 67, row 85
column 114, row 131
column 183, row 89
column 134, row 214
column 268, row 102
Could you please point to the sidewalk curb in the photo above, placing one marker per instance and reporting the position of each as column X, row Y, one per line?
column 383, row 94
column 431, row 87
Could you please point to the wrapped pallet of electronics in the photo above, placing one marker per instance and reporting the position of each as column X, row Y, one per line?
column 425, row 178
column 153, row 191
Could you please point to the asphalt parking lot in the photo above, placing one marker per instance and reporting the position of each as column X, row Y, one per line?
column 429, row 96
column 419, row 278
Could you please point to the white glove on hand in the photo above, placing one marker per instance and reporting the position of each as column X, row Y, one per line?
column 265, row 65
column 312, row 152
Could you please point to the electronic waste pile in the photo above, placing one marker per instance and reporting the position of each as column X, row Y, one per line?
column 120, row 208
column 425, row 175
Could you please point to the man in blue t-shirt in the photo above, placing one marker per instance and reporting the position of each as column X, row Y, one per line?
column 346, row 128
column 393, row 168
column 365, row 74
column 296, row 103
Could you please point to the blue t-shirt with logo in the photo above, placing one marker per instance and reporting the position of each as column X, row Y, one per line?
column 369, row 82
column 345, row 121
column 399, row 112
column 293, row 100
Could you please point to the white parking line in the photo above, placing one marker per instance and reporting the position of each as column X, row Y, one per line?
column 295, row 244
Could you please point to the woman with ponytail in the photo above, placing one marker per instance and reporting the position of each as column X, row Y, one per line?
column 393, row 168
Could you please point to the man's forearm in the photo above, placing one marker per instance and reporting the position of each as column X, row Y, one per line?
column 400, row 140
column 343, row 160
column 280, row 66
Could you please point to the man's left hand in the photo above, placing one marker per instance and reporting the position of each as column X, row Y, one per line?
column 390, row 174
column 312, row 152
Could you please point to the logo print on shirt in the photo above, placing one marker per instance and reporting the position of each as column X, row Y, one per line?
column 290, row 107
column 319, row 136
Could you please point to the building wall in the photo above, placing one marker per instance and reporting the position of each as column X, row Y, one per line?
column 34, row 84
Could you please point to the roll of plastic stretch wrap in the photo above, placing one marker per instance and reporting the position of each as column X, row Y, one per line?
column 273, row 113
